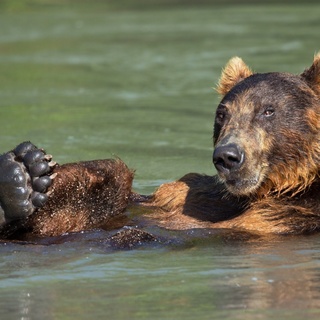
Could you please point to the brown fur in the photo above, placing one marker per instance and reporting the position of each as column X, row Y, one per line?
column 312, row 75
column 85, row 195
column 273, row 118
column 235, row 71
column 285, row 197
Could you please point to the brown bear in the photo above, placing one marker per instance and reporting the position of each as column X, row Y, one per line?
column 266, row 152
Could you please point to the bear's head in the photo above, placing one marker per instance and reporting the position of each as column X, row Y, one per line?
column 267, row 130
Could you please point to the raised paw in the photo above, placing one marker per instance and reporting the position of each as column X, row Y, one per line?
column 25, row 176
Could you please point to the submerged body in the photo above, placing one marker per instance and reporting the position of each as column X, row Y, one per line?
column 267, row 153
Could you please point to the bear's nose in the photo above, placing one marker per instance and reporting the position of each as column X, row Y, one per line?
column 228, row 157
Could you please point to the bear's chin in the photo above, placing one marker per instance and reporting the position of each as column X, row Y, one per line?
column 242, row 187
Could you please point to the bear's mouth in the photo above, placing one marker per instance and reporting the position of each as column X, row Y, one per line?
column 242, row 187
column 242, row 171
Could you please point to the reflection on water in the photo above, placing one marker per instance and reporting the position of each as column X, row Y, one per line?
column 109, row 78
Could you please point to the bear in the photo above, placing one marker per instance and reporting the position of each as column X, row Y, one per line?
column 266, row 141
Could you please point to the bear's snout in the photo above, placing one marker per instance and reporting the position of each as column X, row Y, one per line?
column 228, row 157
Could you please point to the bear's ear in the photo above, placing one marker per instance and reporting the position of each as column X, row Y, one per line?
column 235, row 71
column 312, row 75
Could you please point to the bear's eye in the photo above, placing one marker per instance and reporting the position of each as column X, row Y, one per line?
column 269, row 111
column 221, row 113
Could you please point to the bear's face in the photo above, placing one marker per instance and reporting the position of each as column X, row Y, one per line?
column 267, row 130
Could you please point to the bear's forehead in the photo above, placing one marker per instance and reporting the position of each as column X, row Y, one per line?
column 262, row 89
column 264, row 84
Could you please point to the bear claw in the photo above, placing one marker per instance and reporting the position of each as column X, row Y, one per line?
column 25, row 176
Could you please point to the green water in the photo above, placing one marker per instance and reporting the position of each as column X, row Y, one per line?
column 94, row 79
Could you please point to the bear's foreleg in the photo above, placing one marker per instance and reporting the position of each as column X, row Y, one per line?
column 39, row 197
column 84, row 196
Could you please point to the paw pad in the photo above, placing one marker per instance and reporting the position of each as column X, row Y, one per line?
column 25, row 176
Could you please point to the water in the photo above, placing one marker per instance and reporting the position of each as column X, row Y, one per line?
column 113, row 78
column 270, row 280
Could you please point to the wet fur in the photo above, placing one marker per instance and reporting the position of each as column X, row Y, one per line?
column 275, row 191
column 284, row 200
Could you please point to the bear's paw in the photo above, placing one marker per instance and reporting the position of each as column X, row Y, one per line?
column 25, row 176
